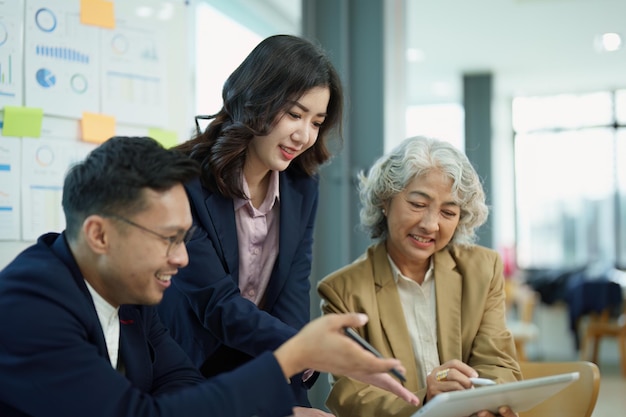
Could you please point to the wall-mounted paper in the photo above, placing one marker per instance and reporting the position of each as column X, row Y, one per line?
column 167, row 138
column 61, row 59
column 11, row 52
column 44, row 165
column 97, row 13
column 10, row 210
column 97, row 128
column 22, row 121
column 134, row 73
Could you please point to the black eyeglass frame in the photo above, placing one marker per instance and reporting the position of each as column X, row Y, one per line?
column 202, row 117
column 172, row 241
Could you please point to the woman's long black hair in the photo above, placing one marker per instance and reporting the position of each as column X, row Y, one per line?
column 277, row 72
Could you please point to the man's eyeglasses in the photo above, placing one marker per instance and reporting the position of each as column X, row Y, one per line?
column 172, row 241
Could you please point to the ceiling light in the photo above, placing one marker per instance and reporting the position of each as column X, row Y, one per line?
column 144, row 11
column 608, row 42
column 166, row 12
column 414, row 55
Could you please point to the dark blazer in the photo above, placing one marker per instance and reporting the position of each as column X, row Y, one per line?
column 54, row 360
column 215, row 325
column 471, row 326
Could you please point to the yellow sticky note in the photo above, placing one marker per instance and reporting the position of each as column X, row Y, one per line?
column 167, row 138
column 22, row 121
column 97, row 128
column 97, row 13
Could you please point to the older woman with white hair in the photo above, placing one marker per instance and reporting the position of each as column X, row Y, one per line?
column 434, row 298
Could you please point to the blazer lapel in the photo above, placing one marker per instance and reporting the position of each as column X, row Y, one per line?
column 222, row 230
column 448, row 287
column 135, row 354
column 391, row 314
column 289, row 233
column 62, row 250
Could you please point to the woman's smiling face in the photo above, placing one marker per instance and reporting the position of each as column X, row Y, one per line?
column 421, row 220
column 295, row 131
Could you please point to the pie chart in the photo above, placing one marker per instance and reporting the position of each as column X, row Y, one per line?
column 45, row 78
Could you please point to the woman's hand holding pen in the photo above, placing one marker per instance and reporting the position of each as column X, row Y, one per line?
column 455, row 375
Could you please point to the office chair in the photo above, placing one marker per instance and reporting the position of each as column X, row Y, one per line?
column 576, row 400
column 523, row 329
column 603, row 325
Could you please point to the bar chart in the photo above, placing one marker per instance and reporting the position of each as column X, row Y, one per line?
column 6, row 70
column 10, row 59
column 59, row 52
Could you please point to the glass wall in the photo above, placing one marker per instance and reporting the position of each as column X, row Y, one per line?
column 225, row 32
column 570, row 178
column 442, row 121
column 215, row 59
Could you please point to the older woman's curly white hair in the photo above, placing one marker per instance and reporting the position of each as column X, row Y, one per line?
column 415, row 156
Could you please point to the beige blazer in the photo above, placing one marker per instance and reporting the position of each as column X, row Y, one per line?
column 471, row 323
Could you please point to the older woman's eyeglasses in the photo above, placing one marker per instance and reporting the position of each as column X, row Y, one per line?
column 172, row 241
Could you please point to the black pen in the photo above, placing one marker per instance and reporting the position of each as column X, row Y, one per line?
column 352, row 334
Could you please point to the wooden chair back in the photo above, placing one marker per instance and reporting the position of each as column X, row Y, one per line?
column 576, row 400
column 523, row 299
column 603, row 325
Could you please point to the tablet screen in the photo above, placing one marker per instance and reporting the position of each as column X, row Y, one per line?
column 519, row 395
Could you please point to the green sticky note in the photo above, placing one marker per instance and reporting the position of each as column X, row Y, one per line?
column 22, row 121
column 167, row 138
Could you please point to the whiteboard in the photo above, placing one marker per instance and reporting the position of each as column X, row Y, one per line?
column 139, row 72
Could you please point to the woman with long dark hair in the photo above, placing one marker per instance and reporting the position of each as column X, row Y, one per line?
column 255, row 205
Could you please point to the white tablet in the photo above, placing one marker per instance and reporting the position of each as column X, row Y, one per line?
column 519, row 395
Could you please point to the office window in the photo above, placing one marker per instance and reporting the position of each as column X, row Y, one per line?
column 620, row 107
column 570, row 155
column 441, row 121
column 221, row 44
column 226, row 32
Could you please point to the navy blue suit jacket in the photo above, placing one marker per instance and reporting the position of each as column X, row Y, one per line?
column 215, row 325
column 54, row 360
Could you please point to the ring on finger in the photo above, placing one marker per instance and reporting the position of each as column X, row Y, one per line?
column 442, row 375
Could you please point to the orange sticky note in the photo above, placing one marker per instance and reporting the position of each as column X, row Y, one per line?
column 97, row 128
column 97, row 13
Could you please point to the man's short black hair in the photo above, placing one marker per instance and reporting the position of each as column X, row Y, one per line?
column 112, row 177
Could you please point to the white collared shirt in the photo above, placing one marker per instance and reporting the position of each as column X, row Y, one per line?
column 419, row 306
column 110, row 322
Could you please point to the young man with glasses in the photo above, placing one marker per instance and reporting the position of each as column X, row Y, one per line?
column 79, row 333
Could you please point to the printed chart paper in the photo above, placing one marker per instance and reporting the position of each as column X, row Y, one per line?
column 11, row 46
column 9, row 188
column 61, row 59
column 44, row 165
column 134, row 73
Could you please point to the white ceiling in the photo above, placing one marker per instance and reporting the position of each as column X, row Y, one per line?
column 530, row 46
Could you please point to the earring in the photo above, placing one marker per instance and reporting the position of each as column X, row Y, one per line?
column 384, row 212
